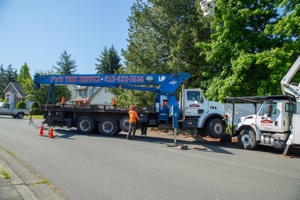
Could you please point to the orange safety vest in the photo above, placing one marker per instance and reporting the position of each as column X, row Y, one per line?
column 132, row 116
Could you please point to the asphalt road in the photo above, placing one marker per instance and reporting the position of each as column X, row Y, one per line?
column 97, row 167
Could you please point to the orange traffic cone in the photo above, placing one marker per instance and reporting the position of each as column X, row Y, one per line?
column 42, row 130
column 63, row 100
column 51, row 133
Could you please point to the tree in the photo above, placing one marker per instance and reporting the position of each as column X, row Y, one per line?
column 3, row 82
column 108, row 61
column 24, row 74
column 65, row 64
column 162, row 38
column 41, row 94
column 251, row 47
column 11, row 74
column 6, row 76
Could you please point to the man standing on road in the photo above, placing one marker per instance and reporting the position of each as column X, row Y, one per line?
column 132, row 122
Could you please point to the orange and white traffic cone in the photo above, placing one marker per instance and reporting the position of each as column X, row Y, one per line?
column 41, row 130
column 51, row 133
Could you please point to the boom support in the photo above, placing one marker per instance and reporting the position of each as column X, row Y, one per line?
column 288, row 88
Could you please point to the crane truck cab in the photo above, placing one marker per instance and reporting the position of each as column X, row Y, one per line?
column 208, row 117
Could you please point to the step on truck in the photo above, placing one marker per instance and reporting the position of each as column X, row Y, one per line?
column 192, row 111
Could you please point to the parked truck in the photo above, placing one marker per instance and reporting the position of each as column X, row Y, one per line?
column 6, row 109
column 192, row 111
column 277, row 122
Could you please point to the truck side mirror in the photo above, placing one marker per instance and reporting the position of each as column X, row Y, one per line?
column 269, row 114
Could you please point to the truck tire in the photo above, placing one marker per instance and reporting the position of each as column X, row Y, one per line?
column 215, row 128
column 108, row 127
column 124, row 124
column 20, row 115
column 247, row 139
column 85, row 125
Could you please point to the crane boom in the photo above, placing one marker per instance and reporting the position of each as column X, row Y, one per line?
column 166, row 83
column 286, row 86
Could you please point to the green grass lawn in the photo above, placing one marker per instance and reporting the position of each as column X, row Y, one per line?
column 35, row 117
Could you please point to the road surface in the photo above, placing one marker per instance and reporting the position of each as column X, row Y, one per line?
column 97, row 167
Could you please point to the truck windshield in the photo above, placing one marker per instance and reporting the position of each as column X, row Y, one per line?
column 264, row 108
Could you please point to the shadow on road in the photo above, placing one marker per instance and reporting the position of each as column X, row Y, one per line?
column 207, row 145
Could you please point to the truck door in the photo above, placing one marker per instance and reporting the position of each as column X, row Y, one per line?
column 268, row 118
column 5, row 109
column 194, row 103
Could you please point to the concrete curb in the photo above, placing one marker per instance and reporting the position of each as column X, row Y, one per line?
column 24, row 183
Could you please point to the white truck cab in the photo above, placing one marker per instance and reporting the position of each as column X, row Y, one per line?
column 208, row 117
column 270, row 126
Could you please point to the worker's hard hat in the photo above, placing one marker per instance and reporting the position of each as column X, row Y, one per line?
column 131, row 106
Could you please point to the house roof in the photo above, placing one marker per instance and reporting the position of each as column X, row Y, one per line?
column 18, row 87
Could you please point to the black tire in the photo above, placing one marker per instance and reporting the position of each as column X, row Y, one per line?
column 108, row 127
column 20, row 115
column 247, row 139
column 202, row 132
column 215, row 128
column 85, row 125
column 124, row 124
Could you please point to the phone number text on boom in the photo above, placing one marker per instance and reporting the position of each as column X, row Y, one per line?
column 97, row 79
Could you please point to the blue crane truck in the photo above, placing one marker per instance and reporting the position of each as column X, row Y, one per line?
column 192, row 111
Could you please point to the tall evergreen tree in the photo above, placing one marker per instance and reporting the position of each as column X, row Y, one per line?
column 65, row 64
column 162, row 38
column 251, row 47
column 6, row 76
column 24, row 74
column 11, row 74
column 3, row 82
column 108, row 61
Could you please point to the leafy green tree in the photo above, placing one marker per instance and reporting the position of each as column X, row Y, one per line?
column 162, row 38
column 24, row 74
column 108, row 61
column 40, row 95
column 65, row 65
column 252, row 46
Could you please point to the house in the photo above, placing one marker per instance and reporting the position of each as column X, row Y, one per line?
column 90, row 95
column 13, row 93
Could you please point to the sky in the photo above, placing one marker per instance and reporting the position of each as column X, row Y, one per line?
column 38, row 31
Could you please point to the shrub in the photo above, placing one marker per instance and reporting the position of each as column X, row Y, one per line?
column 21, row 104
column 36, row 109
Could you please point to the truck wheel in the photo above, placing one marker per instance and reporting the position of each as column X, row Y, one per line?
column 247, row 139
column 215, row 128
column 124, row 124
column 108, row 126
column 85, row 125
column 20, row 115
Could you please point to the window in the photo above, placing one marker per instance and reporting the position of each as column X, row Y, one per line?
column 265, row 106
column 193, row 95
column 290, row 107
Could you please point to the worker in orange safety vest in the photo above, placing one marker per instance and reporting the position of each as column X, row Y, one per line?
column 133, row 116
